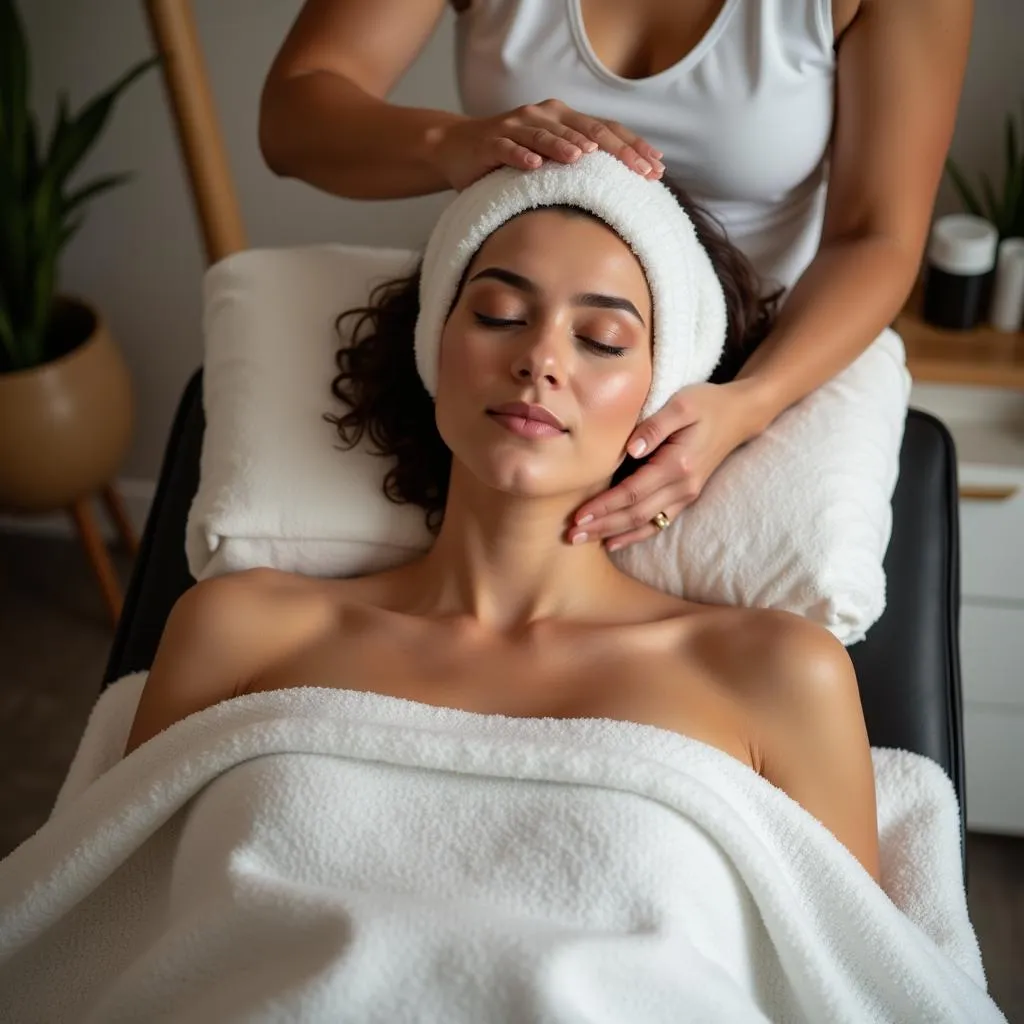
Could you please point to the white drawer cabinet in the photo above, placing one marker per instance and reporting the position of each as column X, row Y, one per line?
column 992, row 654
column 992, row 647
column 992, row 538
column 988, row 427
column 994, row 757
column 992, row 664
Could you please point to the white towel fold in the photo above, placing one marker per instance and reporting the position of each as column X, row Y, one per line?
column 323, row 855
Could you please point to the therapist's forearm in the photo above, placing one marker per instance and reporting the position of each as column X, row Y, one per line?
column 849, row 293
column 325, row 130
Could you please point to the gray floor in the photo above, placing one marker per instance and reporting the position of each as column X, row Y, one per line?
column 54, row 639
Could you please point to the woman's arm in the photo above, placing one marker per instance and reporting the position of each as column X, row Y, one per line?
column 323, row 113
column 900, row 68
column 811, row 738
column 324, row 116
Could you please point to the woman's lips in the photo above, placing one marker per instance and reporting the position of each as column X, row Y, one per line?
column 526, row 427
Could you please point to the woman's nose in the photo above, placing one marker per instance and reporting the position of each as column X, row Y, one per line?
column 542, row 357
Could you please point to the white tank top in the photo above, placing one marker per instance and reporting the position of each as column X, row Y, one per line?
column 743, row 120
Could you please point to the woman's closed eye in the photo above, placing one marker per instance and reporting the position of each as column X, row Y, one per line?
column 500, row 323
column 497, row 321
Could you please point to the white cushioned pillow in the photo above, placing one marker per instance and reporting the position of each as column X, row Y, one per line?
column 798, row 519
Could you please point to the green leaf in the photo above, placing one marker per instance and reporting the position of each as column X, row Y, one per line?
column 44, row 284
column 14, row 87
column 14, row 53
column 69, row 230
column 32, row 154
column 45, row 209
column 15, row 261
column 93, row 189
column 1013, row 201
column 73, row 139
column 967, row 195
column 60, row 127
column 994, row 212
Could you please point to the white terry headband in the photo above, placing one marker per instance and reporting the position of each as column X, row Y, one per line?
column 688, row 302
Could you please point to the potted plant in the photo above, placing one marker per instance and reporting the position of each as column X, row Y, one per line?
column 65, row 393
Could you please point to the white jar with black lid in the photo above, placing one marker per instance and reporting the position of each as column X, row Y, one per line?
column 961, row 255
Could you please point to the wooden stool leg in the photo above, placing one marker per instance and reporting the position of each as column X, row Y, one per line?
column 99, row 557
column 115, row 506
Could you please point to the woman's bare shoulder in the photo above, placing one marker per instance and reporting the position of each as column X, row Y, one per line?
column 747, row 643
column 778, row 666
column 245, row 620
column 221, row 632
column 233, row 599
column 797, row 687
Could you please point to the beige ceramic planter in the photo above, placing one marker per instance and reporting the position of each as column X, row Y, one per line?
column 65, row 426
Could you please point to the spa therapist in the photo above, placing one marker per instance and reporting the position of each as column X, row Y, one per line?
column 814, row 130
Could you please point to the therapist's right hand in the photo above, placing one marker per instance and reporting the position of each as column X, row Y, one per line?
column 469, row 148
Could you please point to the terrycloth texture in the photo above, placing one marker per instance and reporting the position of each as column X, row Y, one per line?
column 689, row 319
column 321, row 855
column 798, row 519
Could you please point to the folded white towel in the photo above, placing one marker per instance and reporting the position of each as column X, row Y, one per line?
column 324, row 855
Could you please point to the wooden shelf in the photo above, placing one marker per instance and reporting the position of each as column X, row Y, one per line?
column 982, row 356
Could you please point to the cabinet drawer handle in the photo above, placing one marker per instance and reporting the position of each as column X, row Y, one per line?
column 988, row 493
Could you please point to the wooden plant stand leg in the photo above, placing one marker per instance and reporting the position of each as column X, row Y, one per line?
column 115, row 507
column 99, row 557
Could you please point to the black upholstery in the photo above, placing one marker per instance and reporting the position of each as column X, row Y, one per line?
column 161, row 573
column 909, row 664
column 908, row 667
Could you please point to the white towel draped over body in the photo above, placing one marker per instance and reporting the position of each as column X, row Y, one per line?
column 331, row 855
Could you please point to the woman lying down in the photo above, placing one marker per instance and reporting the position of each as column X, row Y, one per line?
column 505, row 781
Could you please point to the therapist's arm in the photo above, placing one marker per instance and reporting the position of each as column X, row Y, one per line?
column 323, row 113
column 900, row 67
column 325, row 119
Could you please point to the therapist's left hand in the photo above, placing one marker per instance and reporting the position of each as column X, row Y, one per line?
column 690, row 438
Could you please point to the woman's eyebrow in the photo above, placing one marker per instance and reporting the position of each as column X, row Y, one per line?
column 524, row 284
column 600, row 301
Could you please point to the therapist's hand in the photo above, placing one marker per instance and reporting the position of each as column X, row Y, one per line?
column 469, row 148
column 690, row 438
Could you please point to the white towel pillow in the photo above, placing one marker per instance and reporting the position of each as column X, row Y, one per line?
column 798, row 519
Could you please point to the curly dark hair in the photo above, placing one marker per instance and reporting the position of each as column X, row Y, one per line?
column 378, row 381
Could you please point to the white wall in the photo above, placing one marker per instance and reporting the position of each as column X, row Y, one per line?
column 138, row 256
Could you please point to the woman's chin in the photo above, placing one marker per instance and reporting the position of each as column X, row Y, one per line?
column 527, row 481
column 534, row 475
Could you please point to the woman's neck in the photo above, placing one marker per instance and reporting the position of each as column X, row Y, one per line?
column 504, row 562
